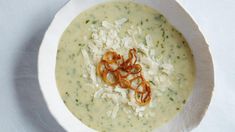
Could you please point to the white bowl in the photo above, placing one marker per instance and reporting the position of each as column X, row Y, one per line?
column 197, row 103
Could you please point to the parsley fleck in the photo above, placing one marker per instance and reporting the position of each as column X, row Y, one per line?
column 152, row 82
column 87, row 21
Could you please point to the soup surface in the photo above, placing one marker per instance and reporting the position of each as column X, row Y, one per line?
column 163, row 53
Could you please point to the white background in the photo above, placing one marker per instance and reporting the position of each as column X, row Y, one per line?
column 22, row 25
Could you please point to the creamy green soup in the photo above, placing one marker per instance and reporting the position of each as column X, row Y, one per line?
column 166, row 60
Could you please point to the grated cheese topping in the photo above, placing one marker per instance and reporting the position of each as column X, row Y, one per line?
column 106, row 37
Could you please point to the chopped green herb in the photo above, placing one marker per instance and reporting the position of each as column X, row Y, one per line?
column 172, row 91
column 152, row 82
column 94, row 22
column 140, row 51
column 158, row 17
column 118, row 7
column 87, row 107
column 162, row 46
column 87, row 21
column 67, row 94
column 163, row 33
column 81, row 44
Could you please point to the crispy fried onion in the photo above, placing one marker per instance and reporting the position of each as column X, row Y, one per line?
column 115, row 70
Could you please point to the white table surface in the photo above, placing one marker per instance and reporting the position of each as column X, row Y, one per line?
column 22, row 25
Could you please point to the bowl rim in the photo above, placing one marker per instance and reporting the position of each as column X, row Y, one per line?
column 47, row 59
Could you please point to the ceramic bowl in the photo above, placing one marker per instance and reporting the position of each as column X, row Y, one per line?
column 197, row 103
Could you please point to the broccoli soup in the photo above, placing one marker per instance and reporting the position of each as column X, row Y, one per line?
column 122, row 67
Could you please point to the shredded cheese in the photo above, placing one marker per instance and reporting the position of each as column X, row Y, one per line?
column 115, row 111
column 121, row 21
column 106, row 37
column 149, row 40
column 107, row 25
